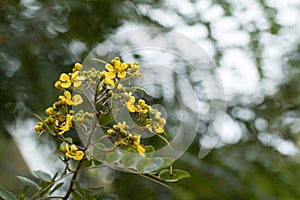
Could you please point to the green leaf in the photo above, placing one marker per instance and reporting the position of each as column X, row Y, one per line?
column 146, row 165
column 70, row 140
column 111, row 157
column 97, row 192
column 55, row 175
column 167, row 162
column 98, row 153
column 46, row 186
column 128, row 157
column 87, row 163
column 87, row 193
column 149, row 151
column 57, row 187
column 84, row 192
column 109, row 197
column 7, row 195
column 176, row 175
column 43, row 175
column 24, row 192
column 27, row 181
column 106, row 119
column 76, row 196
column 78, row 187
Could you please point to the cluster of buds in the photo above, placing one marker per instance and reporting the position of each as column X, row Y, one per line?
column 60, row 115
column 145, row 114
column 123, row 137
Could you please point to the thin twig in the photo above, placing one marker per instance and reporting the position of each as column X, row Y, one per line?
column 70, row 189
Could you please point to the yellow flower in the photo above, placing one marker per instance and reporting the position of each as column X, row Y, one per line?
column 76, row 79
column 121, row 141
column 77, row 100
column 140, row 150
column 65, row 81
column 109, row 78
column 77, row 66
column 65, row 126
column 129, row 101
column 73, row 152
column 67, row 98
column 136, row 139
column 118, row 68
column 122, row 125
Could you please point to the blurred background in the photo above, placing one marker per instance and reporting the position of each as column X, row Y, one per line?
column 254, row 44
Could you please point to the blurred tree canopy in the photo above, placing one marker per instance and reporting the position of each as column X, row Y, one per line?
column 41, row 39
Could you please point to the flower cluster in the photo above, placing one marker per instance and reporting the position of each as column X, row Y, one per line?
column 70, row 80
column 104, row 92
column 60, row 115
column 124, row 138
column 117, row 70
column 146, row 115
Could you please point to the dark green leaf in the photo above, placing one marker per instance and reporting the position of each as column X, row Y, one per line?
column 24, row 192
column 6, row 195
column 176, row 175
column 57, row 187
column 55, row 175
column 78, row 187
column 76, row 196
column 46, row 186
column 87, row 163
column 87, row 193
column 43, row 175
column 149, row 151
column 106, row 119
column 28, row 182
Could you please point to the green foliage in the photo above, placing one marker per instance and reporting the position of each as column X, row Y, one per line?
column 6, row 195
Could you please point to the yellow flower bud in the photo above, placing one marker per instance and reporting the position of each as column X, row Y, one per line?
column 49, row 111
column 110, row 132
column 57, row 84
column 77, row 66
column 38, row 128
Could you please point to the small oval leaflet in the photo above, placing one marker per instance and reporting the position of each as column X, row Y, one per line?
column 176, row 175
